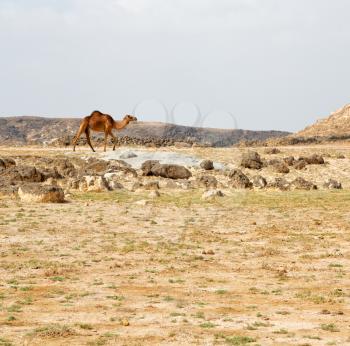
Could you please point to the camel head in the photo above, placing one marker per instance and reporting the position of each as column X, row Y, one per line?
column 130, row 118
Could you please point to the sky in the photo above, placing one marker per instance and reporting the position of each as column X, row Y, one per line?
column 250, row 64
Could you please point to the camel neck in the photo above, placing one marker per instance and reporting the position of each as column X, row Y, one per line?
column 120, row 124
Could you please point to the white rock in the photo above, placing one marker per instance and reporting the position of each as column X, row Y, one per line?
column 127, row 155
column 212, row 194
column 92, row 183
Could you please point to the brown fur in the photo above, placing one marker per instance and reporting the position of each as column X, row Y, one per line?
column 100, row 122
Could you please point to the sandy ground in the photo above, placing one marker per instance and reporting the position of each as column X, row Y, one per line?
column 251, row 268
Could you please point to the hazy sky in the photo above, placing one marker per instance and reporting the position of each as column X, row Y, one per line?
column 272, row 64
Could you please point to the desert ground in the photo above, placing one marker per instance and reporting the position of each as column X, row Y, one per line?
column 125, row 267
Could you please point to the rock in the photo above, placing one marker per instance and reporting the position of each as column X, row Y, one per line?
column 302, row 184
column 332, row 184
column 142, row 202
column 315, row 160
column 340, row 156
column 151, row 185
column 49, row 173
column 280, row 183
column 95, row 167
column 300, row 164
column 207, row 165
column 124, row 322
column 115, row 185
column 207, row 181
column 72, row 184
column 280, row 167
column 289, row 160
column 208, row 252
column 93, row 184
column 6, row 162
column 6, row 189
column 64, row 167
column 22, row 174
column 127, row 155
column 251, row 160
column 119, row 164
column 38, row 193
column 259, row 182
column 170, row 171
column 272, row 151
column 50, row 181
column 146, row 167
column 212, row 194
column 239, row 180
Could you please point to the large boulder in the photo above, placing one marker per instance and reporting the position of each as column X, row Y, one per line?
column 279, row 166
column 315, row 159
column 22, row 174
column 302, row 184
column 146, row 167
column 239, row 180
column 207, row 165
column 38, row 193
column 152, row 167
column 251, row 160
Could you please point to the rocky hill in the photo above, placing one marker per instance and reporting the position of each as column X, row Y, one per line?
column 38, row 130
column 337, row 124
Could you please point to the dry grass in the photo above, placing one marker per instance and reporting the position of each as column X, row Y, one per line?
column 252, row 268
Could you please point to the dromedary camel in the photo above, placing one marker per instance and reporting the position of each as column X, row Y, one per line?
column 100, row 122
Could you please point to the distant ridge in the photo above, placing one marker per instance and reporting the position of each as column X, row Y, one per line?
column 24, row 130
column 337, row 124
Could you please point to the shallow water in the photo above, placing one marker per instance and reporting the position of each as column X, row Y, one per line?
column 167, row 157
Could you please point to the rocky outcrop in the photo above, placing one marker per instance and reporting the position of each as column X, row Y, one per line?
column 154, row 168
column 39, row 193
column 251, row 160
column 279, row 166
column 302, row 184
column 22, row 174
column 238, row 180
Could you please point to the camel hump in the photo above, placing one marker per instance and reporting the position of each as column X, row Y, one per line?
column 96, row 112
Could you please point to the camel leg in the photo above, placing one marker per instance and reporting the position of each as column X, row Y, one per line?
column 87, row 133
column 82, row 128
column 106, row 137
column 114, row 139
